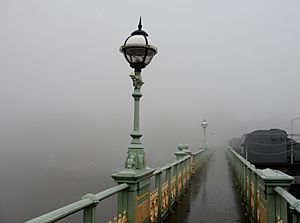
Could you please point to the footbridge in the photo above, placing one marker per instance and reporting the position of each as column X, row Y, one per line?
column 143, row 195
column 201, row 186
column 196, row 187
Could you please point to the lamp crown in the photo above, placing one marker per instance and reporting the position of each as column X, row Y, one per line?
column 139, row 31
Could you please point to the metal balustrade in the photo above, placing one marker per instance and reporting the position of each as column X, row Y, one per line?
column 88, row 204
column 170, row 182
column 287, row 207
column 264, row 192
column 174, row 181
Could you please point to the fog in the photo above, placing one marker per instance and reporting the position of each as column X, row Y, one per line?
column 65, row 93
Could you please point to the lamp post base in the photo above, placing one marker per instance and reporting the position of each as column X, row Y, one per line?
column 136, row 200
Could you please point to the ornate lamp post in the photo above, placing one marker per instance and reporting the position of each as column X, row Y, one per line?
column 204, row 125
column 138, row 53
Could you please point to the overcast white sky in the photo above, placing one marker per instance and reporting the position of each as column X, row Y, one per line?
column 65, row 93
column 65, row 85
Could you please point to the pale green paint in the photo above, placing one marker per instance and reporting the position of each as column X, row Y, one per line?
column 89, row 200
column 136, row 159
column 138, row 183
column 273, row 186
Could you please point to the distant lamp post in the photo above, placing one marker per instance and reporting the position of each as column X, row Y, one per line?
column 204, row 125
column 138, row 53
column 292, row 134
column 213, row 133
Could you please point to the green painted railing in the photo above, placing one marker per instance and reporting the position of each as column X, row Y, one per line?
column 287, row 206
column 170, row 183
column 264, row 192
column 88, row 204
column 172, row 180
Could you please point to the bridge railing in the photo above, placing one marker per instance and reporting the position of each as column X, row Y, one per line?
column 199, row 158
column 264, row 192
column 87, row 204
column 170, row 183
column 287, row 206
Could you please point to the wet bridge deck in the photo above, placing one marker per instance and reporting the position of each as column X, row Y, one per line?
column 212, row 196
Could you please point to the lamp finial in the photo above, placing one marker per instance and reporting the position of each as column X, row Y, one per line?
column 140, row 23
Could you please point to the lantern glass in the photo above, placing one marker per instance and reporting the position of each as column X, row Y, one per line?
column 139, row 56
column 149, row 56
column 135, row 54
column 204, row 124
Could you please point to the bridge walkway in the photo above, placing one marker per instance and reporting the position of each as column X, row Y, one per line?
column 212, row 196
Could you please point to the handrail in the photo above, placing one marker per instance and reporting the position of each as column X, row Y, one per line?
column 286, row 195
column 289, row 198
column 170, row 181
column 239, row 156
column 72, row 208
column 170, row 165
column 264, row 191
column 197, row 152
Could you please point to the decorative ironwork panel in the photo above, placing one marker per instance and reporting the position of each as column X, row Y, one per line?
column 184, row 177
column 165, row 196
column 246, row 187
column 193, row 168
column 142, row 211
column 188, row 173
column 241, row 179
column 279, row 220
column 179, row 181
column 139, row 198
column 154, row 201
column 173, row 187
column 252, row 196
column 122, row 218
column 262, row 212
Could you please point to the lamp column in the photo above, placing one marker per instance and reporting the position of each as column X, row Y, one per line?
column 136, row 155
column 204, row 125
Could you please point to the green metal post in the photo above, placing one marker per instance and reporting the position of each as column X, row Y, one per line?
column 193, row 165
column 180, row 153
column 158, row 185
column 122, row 201
column 255, row 195
column 185, row 175
column 242, row 179
column 245, row 180
column 176, row 177
column 190, row 169
column 180, row 165
column 268, row 180
column 248, row 188
column 169, row 178
column 89, row 214
column 136, row 156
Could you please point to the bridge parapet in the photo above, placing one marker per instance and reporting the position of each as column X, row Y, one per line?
column 136, row 201
column 264, row 192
